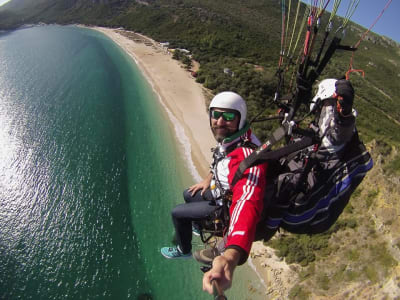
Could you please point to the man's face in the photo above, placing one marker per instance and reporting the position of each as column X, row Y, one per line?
column 224, row 123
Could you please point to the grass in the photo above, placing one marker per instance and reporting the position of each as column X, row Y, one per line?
column 393, row 167
column 351, row 275
column 298, row 292
column 381, row 255
column 323, row 281
column 353, row 255
column 371, row 197
column 308, row 272
column 339, row 275
column 371, row 273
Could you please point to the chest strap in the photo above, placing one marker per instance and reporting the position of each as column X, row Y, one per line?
column 264, row 154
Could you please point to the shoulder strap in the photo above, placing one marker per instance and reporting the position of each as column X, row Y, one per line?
column 264, row 154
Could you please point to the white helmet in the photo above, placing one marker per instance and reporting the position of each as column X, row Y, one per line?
column 231, row 100
column 326, row 90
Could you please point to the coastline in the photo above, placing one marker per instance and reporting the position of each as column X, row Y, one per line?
column 182, row 98
column 184, row 101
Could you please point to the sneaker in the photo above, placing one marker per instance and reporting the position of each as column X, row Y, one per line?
column 206, row 256
column 174, row 252
column 195, row 230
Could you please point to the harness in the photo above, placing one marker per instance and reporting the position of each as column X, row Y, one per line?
column 218, row 222
column 307, row 206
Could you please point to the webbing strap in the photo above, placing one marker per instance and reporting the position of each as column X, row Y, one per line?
column 321, row 48
column 264, row 154
column 335, row 44
column 362, row 37
column 276, row 136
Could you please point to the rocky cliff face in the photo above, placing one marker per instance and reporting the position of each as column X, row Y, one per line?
column 363, row 260
column 385, row 209
column 382, row 189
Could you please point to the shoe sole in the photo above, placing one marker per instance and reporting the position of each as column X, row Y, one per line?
column 198, row 258
column 177, row 257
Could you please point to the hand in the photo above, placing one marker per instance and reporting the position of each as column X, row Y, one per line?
column 202, row 186
column 345, row 89
column 222, row 271
column 345, row 92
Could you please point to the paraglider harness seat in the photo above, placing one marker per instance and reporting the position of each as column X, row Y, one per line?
column 310, row 192
column 216, row 224
column 305, row 193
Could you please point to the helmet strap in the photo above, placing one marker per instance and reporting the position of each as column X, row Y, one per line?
column 237, row 134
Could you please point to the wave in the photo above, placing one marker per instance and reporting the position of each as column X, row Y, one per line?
column 253, row 267
column 179, row 130
column 182, row 138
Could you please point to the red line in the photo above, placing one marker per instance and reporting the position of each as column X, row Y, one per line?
column 366, row 32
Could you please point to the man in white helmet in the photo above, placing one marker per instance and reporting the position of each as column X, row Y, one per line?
column 235, row 142
column 336, row 123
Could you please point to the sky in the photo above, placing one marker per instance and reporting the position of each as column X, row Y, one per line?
column 3, row 1
column 365, row 15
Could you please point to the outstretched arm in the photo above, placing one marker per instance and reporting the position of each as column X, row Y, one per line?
column 222, row 270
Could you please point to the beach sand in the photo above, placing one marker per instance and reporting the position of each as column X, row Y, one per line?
column 277, row 277
column 179, row 93
column 184, row 100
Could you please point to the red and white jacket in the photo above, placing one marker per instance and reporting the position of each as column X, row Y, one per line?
column 247, row 194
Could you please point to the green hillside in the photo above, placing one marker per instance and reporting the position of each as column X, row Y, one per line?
column 236, row 35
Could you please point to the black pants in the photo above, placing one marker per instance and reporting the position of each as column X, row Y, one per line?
column 194, row 209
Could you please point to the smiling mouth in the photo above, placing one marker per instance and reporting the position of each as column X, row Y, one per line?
column 220, row 128
column 221, row 131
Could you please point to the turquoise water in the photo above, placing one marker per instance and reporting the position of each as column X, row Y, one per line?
column 89, row 171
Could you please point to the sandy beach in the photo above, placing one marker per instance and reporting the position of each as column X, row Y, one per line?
column 179, row 93
column 184, row 101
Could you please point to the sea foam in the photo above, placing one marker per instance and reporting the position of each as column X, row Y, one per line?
column 179, row 130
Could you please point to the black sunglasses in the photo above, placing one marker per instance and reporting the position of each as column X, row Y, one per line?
column 226, row 115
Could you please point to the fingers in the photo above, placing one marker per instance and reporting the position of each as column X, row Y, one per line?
column 217, row 291
column 207, row 283
column 211, row 283
column 218, row 273
column 193, row 189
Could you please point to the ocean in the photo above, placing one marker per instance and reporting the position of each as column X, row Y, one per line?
column 90, row 168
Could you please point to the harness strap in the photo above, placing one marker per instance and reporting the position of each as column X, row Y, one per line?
column 264, row 155
column 217, row 158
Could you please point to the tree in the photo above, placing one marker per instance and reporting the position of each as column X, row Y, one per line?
column 177, row 55
column 187, row 62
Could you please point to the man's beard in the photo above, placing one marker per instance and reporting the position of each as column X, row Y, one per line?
column 220, row 135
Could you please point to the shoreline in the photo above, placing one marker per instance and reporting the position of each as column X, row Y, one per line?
column 184, row 101
column 181, row 97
